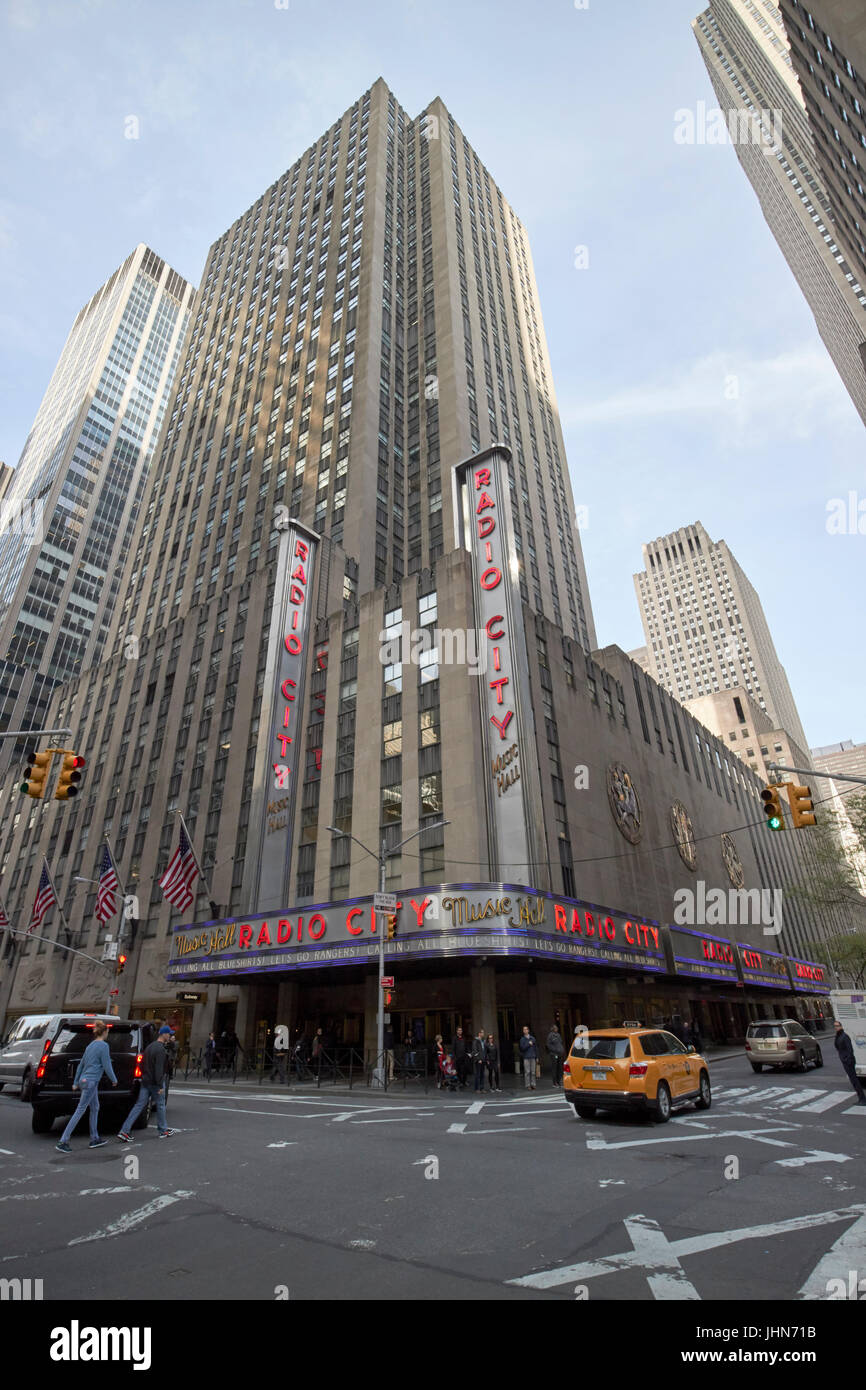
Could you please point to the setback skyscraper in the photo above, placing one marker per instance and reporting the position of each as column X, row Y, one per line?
column 355, row 607
column 72, row 502
column 745, row 48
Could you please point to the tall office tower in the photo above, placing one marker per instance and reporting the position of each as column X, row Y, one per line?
column 71, row 505
column 745, row 48
column 705, row 627
column 828, row 49
column 344, row 610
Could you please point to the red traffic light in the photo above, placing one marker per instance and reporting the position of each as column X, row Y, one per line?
column 77, row 761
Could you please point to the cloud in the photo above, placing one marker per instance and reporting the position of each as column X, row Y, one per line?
column 794, row 394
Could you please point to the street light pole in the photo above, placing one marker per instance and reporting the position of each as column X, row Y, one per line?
column 382, row 856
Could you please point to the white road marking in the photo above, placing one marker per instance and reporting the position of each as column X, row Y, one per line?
column 362, row 1244
column 691, row 1245
column 819, row 1106
column 106, row 1191
column 345, row 1115
column 456, row 1129
column 855, row 1110
column 598, row 1141
column 475, row 1108
column 813, row 1156
column 668, row 1283
column 846, row 1254
column 611, row 1182
column 737, row 1091
column 8, row 1153
column 795, row 1097
column 506, row 1129
column 133, row 1218
column 509, row 1114
column 283, row 1144
column 273, row 1113
column 394, row 1120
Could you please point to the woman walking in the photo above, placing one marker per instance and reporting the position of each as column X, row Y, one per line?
column 95, row 1063
column 491, row 1060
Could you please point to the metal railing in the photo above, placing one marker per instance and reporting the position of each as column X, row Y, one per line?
column 336, row 1066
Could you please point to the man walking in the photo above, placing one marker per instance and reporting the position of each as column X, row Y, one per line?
column 478, row 1058
column 529, row 1053
column 845, row 1048
column 95, row 1062
column 556, row 1048
column 153, row 1078
column 460, row 1053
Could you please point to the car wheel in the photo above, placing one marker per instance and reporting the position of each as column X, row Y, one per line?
column 585, row 1112
column 27, row 1085
column 144, row 1117
column 41, row 1121
column 819, row 1060
column 802, row 1064
column 706, row 1097
column 757, row 1066
column 663, row 1104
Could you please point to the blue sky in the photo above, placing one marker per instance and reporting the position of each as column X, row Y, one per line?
column 573, row 112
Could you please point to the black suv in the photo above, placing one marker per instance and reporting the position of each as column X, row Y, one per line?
column 41, row 1055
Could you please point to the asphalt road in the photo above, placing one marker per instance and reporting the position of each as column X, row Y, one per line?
column 267, row 1194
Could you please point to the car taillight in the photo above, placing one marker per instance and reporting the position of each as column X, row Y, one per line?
column 748, row 1045
column 790, row 1046
column 138, row 1060
column 638, row 1069
column 40, row 1070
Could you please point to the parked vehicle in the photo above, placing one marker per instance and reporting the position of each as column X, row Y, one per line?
column 781, row 1042
column 41, row 1054
column 634, row 1069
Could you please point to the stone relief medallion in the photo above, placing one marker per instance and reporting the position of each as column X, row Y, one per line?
column 32, row 984
column 624, row 802
column 681, row 824
column 89, row 980
column 732, row 862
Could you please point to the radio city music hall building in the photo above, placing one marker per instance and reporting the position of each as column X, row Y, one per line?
column 358, row 600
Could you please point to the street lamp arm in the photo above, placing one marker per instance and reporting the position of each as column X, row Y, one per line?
column 415, row 833
column 334, row 831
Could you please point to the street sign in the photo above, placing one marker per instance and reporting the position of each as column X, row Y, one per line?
column 384, row 902
column 109, row 950
column 387, row 982
column 188, row 996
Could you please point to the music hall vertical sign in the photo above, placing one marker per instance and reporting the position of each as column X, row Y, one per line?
column 272, row 812
column 512, row 790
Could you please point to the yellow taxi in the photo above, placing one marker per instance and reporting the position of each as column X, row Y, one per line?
column 634, row 1069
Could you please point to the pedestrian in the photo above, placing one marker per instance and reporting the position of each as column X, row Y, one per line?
column 695, row 1038
column 460, row 1054
column 529, row 1054
column 845, row 1048
column 170, row 1055
column 233, row 1047
column 210, row 1056
column 301, row 1054
column 491, row 1061
column 317, row 1051
column 409, row 1053
column 556, row 1048
column 281, row 1047
column 388, row 1046
column 438, row 1059
column 478, row 1059
column 95, row 1062
column 153, row 1087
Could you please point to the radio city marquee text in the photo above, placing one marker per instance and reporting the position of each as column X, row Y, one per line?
column 504, row 768
column 588, row 930
column 294, row 645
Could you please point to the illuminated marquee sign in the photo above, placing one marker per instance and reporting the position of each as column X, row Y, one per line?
column 807, row 977
column 512, row 790
column 281, row 721
column 431, row 922
column 701, row 956
column 760, row 967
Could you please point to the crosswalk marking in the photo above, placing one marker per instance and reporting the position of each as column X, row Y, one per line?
column 794, row 1097
column 819, row 1106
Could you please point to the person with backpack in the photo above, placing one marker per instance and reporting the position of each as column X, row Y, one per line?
column 95, row 1062
column 153, row 1087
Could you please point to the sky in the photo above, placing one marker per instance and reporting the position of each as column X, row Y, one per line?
column 691, row 380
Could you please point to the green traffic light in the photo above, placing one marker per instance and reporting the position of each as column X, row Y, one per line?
column 775, row 823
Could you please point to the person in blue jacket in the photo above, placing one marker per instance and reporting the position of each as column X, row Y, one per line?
column 95, row 1062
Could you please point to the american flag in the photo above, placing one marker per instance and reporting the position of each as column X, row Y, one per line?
column 176, row 883
column 45, row 898
column 106, row 893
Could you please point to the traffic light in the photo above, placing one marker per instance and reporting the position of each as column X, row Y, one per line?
column 389, row 995
column 35, row 775
column 70, row 776
column 802, row 810
column 773, row 808
column 121, row 964
column 391, row 920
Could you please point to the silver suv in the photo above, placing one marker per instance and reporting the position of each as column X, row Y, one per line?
column 781, row 1042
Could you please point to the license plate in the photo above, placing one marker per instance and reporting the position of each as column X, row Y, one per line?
column 599, row 1076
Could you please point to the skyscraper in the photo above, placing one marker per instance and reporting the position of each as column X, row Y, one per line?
column 705, row 627
column 72, row 501
column 354, row 608
column 745, row 48
column 828, row 50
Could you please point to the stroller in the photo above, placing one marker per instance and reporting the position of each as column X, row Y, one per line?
column 448, row 1078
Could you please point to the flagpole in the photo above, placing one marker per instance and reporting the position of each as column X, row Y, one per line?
column 122, row 888
column 68, row 949
column 207, row 886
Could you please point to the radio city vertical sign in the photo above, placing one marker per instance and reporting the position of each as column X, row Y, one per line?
column 513, row 798
column 272, row 812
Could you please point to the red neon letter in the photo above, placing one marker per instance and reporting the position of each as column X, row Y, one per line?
column 419, row 911
column 486, row 526
column 503, row 723
column 353, row 912
column 491, row 578
column 559, row 914
column 284, row 931
column 264, row 936
column 317, row 917
column 482, row 478
column 245, row 936
column 293, row 644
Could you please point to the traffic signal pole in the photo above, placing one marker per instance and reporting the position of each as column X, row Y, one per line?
column 810, row 772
